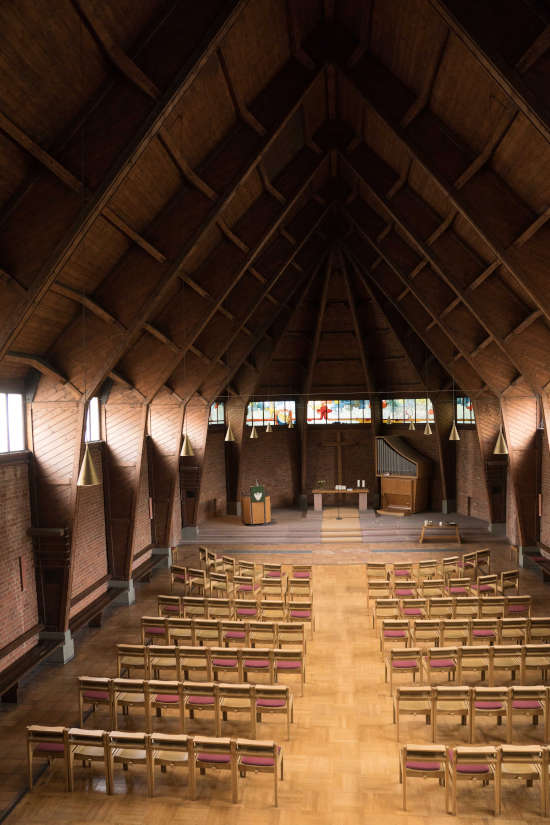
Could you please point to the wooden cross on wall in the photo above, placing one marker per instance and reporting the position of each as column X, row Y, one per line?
column 339, row 444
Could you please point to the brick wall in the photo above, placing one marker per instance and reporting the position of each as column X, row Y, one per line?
column 357, row 459
column 470, row 477
column 18, row 608
column 213, row 497
column 272, row 459
column 89, row 547
column 142, row 523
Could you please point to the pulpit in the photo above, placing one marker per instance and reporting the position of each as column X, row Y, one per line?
column 256, row 507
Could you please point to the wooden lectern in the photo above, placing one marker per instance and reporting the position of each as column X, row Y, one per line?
column 256, row 507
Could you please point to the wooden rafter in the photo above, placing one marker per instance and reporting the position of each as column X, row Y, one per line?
column 134, row 236
column 430, row 77
column 42, row 366
column 238, row 104
column 306, row 388
column 84, row 300
column 359, row 333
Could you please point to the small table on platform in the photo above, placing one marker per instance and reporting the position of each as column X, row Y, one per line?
column 360, row 491
column 444, row 530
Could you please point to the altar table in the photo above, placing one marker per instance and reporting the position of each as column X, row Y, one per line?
column 359, row 491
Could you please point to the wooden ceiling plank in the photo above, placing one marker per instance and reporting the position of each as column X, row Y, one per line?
column 238, row 104
column 294, row 36
column 84, row 300
column 42, row 366
column 502, row 127
column 186, row 170
column 110, row 215
column 126, row 161
column 32, row 148
column 258, row 275
column 114, row 52
column 487, row 272
column 160, row 336
column 433, row 65
column 119, row 379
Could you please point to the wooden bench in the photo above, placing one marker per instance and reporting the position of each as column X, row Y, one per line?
column 12, row 675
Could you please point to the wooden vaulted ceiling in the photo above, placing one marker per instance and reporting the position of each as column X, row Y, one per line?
column 256, row 195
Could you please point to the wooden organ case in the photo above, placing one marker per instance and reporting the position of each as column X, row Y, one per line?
column 404, row 477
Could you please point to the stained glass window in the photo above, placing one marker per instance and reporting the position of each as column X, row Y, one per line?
column 465, row 411
column 217, row 413
column 276, row 413
column 405, row 410
column 339, row 411
column 93, row 429
column 12, row 423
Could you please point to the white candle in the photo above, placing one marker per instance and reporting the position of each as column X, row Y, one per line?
column 358, row 483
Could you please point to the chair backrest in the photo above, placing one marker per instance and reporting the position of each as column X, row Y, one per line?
column 518, row 605
column 219, row 608
column 386, row 608
column 376, row 570
column 509, row 580
column 378, row 588
column 425, row 629
column 178, row 573
column 432, row 587
column 469, row 560
column 196, row 658
column 210, row 747
column 194, row 606
column 273, row 609
column 273, row 692
column 391, row 628
column 470, row 756
column 206, row 629
column 472, row 652
column 301, row 611
column 406, row 654
column 301, row 571
column 502, row 654
column 263, row 631
column 455, row 629
column 168, row 605
column 449, row 565
column 246, row 568
column 248, row 609
column 89, row 684
column 272, row 568
column 533, row 651
column 414, row 693
column 492, row 606
column 440, row 654
column 269, row 584
column 131, row 655
column 129, row 741
column 401, row 568
column 539, row 627
column 441, row 607
column 480, row 693
column 416, row 756
column 42, row 734
column 171, row 742
column 446, row 696
column 510, row 626
column 135, row 686
column 159, row 688
column 166, row 652
column 459, row 585
column 236, row 631
column 414, row 607
column 265, row 751
column 405, row 588
column 528, row 693
column 196, row 573
column 428, row 567
column 229, row 565
column 229, row 690
column 200, row 689
column 466, row 606
column 178, row 627
column 299, row 586
column 221, row 579
column 155, row 627
column 203, row 553
column 484, row 628
column 293, row 632
column 87, row 738
column 484, row 560
column 487, row 583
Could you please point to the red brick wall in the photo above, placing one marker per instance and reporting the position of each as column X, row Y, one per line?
column 18, row 608
column 511, row 512
column 89, row 548
column 272, row 459
column 213, row 496
column 545, row 490
column 142, row 523
column 357, row 460
column 470, row 477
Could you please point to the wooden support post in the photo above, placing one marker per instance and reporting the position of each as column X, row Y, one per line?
column 235, row 412
column 519, row 414
column 487, row 415
column 165, row 427
column 444, row 417
column 191, row 468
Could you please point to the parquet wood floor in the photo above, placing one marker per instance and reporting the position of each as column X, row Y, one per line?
column 341, row 765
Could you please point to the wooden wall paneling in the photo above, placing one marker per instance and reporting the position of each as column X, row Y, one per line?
column 165, row 424
column 235, row 413
column 195, row 424
column 519, row 415
column 488, row 418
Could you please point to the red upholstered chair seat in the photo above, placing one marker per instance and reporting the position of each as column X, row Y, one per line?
column 415, row 765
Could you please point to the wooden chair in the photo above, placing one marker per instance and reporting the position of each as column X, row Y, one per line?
column 488, row 702
column 46, row 742
column 229, row 566
column 154, row 628
column 163, row 662
column 518, row 606
column 219, row 608
column 449, row 567
column 206, row 631
column 274, row 699
column 257, row 660
column 207, row 753
column 130, row 658
column 169, row 605
column 432, row 588
column 289, row 661
column 166, row 695
column 413, row 700
column 131, row 694
column 441, row 607
column 196, row 580
column 223, row 660
column 440, row 660
column 485, row 585
column 466, row 607
column 492, row 607
column 194, row 660
column 234, row 633
column 484, row 631
column 385, row 609
column 262, row 633
column 220, row 583
column 528, row 763
column 455, row 631
column 532, row 701
column 401, row 570
column 424, row 762
column 405, row 589
column 474, row 659
column 473, row 764
column 535, row 658
column 425, row 633
column 298, row 589
column 509, row 580
column 246, row 568
column 203, row 556
column 513, row 631
column 95, row 691
column 211, row 561
column 180, row 631
column 403, row 661
column 255, row 756
column 301, row 612
column 394, row 631
column 272, row 571
column 271, row 587
column 195, row 607
column 273, row 610
column 377, row 571
column 458, row 586
column 239, row 699
column 127, row 749
column 169, row 750
column 202, row 697
column 483, row 561
column 505, row 659
column 450, row 700
column 291, row 633
column 467, row 563
column 248, row 610
column 178, row 576
column 427, row 569
column 301, row 571
column 539, row 629
column 86, row 746
column 414, row 608
column 379, row 589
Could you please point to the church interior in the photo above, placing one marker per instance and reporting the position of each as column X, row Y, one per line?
column 274, row 412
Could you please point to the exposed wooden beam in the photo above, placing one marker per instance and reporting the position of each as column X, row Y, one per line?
column 538, row 47
column 127, row 230
column 9, row 280
column 359, row 334
column 187, row 171
column 232, row 237
column 435, row 58
column 294, row 36
column 306, row 389
column 238, row 103
column 160, row 336
column 41, row 365
column 268, row 186
column 84, row 300
column 530, row 319
column 501, row 129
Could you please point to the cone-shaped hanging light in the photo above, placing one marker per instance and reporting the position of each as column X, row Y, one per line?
column 253, row 432
column 427, row 429
column 229, row 436
column 454, row 436
column 186, row 448
column 411, row 425
column 501, row 447
column 87, row 476
column 269, row 428
column 291, row 424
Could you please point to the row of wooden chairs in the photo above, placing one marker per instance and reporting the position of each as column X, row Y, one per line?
column 434, row 632
column 151, row 750
column 483, row 763
column 476, row 563
column 471, row 704
column 482, row 587
column 451, row 607
column 454, row 662
column 210, row 561
column 197, row 631
column 218, row 608
column 238, row 586
column 152, row 696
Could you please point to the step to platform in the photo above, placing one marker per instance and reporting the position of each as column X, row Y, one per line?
column 390, row 512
